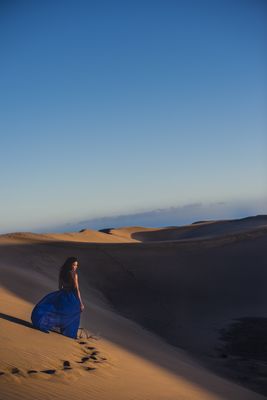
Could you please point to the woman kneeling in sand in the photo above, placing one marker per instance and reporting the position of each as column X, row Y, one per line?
column 62, row 308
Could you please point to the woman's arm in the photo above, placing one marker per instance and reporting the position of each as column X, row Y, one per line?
column 76, row 285
column 60, row 283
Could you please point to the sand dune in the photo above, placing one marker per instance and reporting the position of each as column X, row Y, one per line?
column 204, row 229
column 153, row 309
column 86, row 235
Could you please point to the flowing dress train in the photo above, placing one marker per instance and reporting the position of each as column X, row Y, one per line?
column 59, row 309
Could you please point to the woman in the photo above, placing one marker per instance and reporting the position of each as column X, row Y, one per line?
column 62, row 308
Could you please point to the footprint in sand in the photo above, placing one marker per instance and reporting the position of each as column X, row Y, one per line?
column 83, row 359
column 49, row 371
column 93, row 355
column 89, row 368
column 15, row 370
column 66, row 365
column 94, row 337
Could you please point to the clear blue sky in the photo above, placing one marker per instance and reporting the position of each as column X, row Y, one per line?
column 112, row 107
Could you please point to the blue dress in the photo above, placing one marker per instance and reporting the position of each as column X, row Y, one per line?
column 59, row 309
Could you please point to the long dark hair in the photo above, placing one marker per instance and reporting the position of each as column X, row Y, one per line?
column 64, row 272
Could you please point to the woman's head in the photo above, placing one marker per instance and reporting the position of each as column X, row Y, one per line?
column 71, row 264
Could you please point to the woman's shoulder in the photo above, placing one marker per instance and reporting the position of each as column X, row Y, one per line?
column 73, row 274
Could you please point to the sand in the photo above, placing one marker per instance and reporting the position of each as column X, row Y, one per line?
column 154, row 301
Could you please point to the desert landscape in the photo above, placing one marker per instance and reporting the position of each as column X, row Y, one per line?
column 133, row 236
column 173, row 313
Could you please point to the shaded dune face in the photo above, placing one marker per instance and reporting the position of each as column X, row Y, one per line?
column 179, row 290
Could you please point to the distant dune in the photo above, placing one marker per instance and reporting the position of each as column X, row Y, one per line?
column 156, row 303
column 201, row 229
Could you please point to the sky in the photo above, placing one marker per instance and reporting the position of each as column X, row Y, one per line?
column 124, row 107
